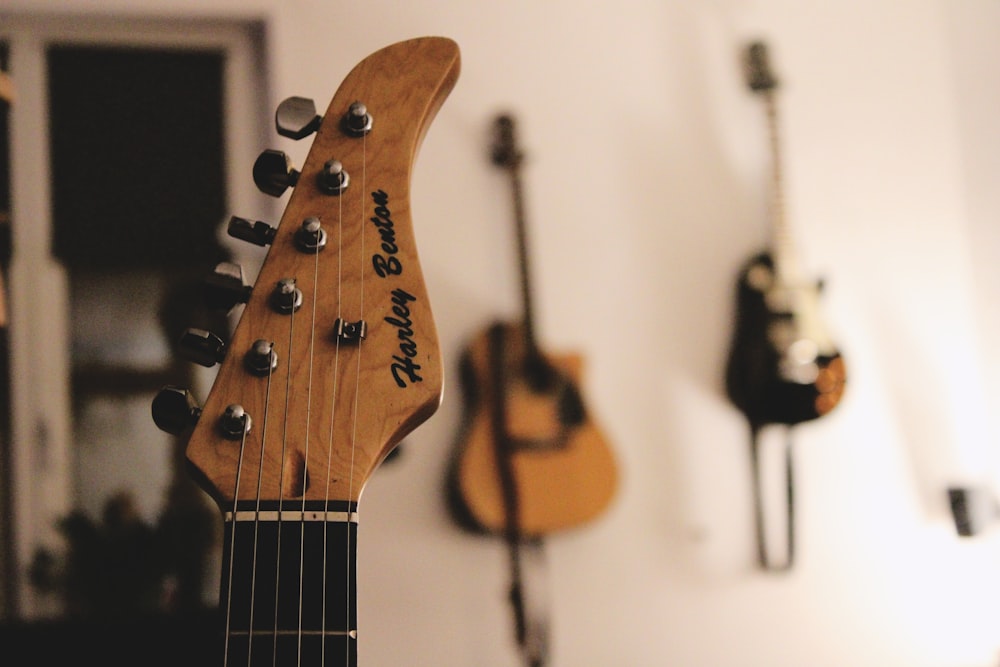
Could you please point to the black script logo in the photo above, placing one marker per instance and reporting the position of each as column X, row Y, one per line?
column 404, row 370
column 386, row 264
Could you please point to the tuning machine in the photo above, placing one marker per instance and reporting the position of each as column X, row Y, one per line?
column 225, row 287
column 296, row 118
column 175, row 410
column 202, row 347
column 273, row 172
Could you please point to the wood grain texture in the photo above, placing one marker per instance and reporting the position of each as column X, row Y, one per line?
column 332, row 410
column 560, row 485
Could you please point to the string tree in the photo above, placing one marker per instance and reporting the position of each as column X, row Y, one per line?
column 350, row 332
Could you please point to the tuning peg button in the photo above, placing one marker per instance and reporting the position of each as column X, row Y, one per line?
column 175, row 410
column 274, row 173
column 258, row 233
column 225, row 287
column 296, row 118
column 202, row 347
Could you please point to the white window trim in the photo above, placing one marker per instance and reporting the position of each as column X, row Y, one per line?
column 41, row 410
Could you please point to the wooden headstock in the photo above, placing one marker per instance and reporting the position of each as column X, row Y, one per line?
column 356, row 366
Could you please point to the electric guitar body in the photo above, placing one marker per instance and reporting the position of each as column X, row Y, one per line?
column 783, row 367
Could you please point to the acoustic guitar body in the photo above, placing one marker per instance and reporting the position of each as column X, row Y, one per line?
column 561, row 465
column 780, row 369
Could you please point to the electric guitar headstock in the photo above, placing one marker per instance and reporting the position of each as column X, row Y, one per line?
column 335, row 357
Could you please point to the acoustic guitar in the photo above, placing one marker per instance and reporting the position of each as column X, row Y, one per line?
column 529, row 452
column 530, row 459
column 334, row 360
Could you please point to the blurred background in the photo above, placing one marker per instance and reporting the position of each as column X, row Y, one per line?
column 129, row 134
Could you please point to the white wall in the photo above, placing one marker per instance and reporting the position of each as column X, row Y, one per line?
column 644, row 190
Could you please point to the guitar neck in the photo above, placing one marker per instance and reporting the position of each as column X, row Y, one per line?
column 289, row 593
column 783, row 252
column 524, row 268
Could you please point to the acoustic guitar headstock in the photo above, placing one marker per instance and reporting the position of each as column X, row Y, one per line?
column 759, row 76
column 506, row 152
column 335, row 357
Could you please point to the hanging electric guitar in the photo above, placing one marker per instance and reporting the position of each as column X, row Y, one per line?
column 783, row 367
column 334, row 360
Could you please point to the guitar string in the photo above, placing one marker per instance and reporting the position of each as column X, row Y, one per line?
column 357, row 381
column 333, row 410
column 305, row 463
column 281, row 484
column 256, row 522
column 232, row 550
column 232, row 544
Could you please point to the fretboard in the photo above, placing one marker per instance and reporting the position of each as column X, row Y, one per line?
column 783, row 253
column 288, row 594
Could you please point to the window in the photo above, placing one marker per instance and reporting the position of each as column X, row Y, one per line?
column 123, row 142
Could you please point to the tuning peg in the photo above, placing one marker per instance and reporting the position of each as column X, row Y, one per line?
column 175, row 410
column 258, row 233
column 225, row 287
column 274, row 173
column 296, row 118
column 357, row 121
column 202, row 347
